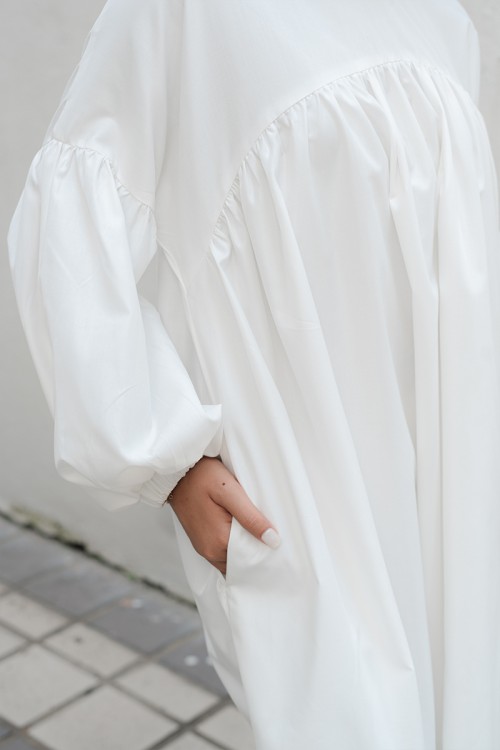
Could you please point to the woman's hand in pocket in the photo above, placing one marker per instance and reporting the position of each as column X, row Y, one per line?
column 206, row 499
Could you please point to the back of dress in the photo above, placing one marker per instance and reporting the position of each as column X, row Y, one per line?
column 318, row 184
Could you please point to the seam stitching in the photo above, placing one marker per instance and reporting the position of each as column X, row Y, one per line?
column 386, row 63
column 109, row 162
column 255, row 144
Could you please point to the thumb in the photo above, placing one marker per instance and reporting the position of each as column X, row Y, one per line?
column 237, row 502
column 257, row 524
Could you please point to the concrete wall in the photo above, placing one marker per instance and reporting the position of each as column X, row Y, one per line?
column 40, row 43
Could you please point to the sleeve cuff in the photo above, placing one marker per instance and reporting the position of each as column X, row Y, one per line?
column 155, row 491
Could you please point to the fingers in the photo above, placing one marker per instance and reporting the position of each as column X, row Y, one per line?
column 205, row 501
column 229, row 493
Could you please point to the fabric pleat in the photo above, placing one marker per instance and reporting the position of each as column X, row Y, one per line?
column 369, row 339
column 316, row 184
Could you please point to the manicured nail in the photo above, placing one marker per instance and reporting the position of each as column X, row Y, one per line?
column 271, row 538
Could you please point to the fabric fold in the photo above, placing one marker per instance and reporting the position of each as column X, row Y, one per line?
column 128, row 422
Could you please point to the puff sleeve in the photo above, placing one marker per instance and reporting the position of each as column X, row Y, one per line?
column 128, row 423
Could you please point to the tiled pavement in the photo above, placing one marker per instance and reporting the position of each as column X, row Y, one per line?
column 91, row 659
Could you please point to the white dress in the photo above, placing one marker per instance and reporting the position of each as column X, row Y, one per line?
column 318, row 184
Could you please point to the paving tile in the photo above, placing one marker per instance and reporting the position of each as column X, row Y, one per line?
column 5, row 729
column 30, row 618
column 19, row 743
column 92, row 649
column 35, row 681
column 80, row 587
column 9, row 641
column 8, row 529
column 191, row 659
column 147, row 621
column 164, row 689
column 106, row 719
column 229, row 727
column 188, row 742
column 27, row 554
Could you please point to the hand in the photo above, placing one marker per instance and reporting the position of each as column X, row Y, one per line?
column 205, row 500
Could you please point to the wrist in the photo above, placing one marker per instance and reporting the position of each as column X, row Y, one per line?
column 169, row 497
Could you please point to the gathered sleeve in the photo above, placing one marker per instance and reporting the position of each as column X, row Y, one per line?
column 127, row 421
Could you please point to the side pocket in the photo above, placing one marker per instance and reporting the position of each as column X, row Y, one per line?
column 208, row 587
column 196, row 568
column 224, row 581
column 245, row 561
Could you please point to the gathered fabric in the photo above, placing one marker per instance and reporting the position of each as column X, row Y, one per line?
column 324, row 215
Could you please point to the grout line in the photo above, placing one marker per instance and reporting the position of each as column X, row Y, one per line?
column 139, row 659
column 79, row 548
column 192, row 727
column 183, row 726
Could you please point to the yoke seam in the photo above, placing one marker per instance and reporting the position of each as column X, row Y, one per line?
column 332, row 82
column 113, row 167
column 235, row 181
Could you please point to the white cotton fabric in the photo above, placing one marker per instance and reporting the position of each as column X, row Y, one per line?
column 318, row 185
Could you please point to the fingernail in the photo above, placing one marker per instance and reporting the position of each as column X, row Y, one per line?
column 271, row 538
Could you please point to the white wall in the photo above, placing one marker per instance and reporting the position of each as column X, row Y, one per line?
column 40, row 42
column 486, row 17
